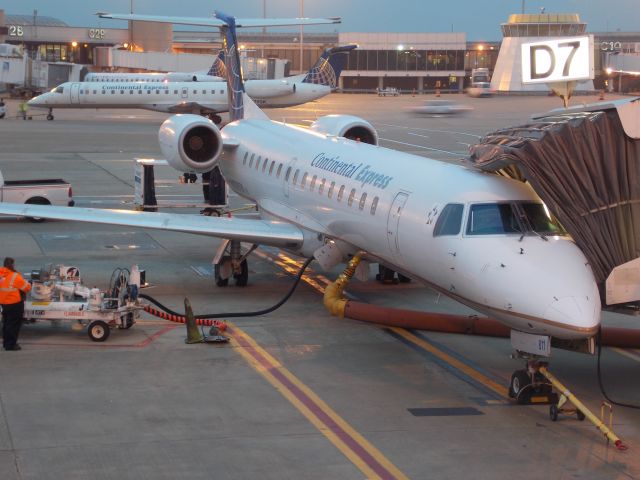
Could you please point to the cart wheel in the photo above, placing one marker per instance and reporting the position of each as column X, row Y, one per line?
column 128, row 323
column 98, row 331
column 553, row 413
column 580, row 415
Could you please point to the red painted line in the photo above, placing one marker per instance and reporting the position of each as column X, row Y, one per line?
column 355, row 447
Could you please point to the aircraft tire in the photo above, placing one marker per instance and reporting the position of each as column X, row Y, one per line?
column 220, row 282
column 242, row 278
column 50, row 117
column 519, row 380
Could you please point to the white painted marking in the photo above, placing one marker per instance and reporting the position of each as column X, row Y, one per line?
column 426, row 148
column 432, row 130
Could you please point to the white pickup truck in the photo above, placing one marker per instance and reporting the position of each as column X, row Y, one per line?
column 36, row 192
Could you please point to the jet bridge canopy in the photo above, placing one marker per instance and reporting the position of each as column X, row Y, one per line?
column 584, row 163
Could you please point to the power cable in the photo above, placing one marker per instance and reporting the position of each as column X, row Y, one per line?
column 237, row 314
column 602, row 390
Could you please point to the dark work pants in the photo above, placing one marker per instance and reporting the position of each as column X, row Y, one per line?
column 11, row 322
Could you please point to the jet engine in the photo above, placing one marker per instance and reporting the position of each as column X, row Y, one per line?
column 347, row 126
column 190, row 143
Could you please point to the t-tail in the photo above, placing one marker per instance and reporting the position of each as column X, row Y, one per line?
column 328, row 68
column 235, row 86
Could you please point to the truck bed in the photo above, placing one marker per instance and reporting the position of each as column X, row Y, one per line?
column 26, row 183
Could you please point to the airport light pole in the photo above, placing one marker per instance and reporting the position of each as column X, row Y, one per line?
column 301, row 34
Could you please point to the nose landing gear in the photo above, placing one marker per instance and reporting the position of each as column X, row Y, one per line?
column 529, row 386
column 230, row 261
column 50, row 114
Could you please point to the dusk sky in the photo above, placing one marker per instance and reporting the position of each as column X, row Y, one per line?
column 480, row 19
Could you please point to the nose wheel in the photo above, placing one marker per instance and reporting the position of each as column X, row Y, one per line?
column 231, row 262
column 50, row 115
column 528, row 386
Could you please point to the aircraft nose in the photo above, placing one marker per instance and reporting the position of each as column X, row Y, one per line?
column 581, row 312
column 35, row 101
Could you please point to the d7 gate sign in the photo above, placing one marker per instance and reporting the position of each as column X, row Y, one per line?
column 558, row 60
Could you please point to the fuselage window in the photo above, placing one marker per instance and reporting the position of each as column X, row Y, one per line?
column 195, row 91
column 374, row 205
column 363, row 199
column 157, row 91
column 103, row 92
column 273, row 164
column 130, row 92
column 264, row 165
column 204, row 92
column 341, row 193
column 221, row 92
column 295, row 176
column 330, row 192
column 166, row 92
column 258, row 162
column 94, row 92
column 244, row 160
column 113, row 92
column 148, row 92
column 492, row 219
column 279, row 170
column 251, row 160
column 351, row 196
column 449, row 221
column 303, row 182
column 121, row 92
column 313, row 183
column 321, row 186
column 175, row 92
column 286, row 177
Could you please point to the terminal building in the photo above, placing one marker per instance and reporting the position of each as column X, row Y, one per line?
column 419, row 62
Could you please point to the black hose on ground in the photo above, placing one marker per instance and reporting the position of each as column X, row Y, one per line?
column 237, row 314
column 602, row 390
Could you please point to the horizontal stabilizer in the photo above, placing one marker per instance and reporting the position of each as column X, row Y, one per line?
column 215, row 22
column 278, row 234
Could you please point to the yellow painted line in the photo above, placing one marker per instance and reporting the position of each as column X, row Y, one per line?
column 454, row 362
column 628, row 354
column 367, row 458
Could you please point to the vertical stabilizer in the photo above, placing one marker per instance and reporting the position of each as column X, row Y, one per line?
column 235, row 86
column 218, row 68
column 328, row 68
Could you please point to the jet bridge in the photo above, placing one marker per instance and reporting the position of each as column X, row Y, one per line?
column 584, row 162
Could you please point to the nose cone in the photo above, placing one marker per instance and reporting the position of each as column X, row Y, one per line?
column 566, row 298
column 38, row 101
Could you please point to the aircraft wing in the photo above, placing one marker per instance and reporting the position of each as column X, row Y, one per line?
column 278, row 234
column 215, row 22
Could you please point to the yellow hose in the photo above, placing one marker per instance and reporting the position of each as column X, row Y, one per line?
column 334, row 300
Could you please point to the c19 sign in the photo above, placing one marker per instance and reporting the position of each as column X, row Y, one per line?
column 558, row 60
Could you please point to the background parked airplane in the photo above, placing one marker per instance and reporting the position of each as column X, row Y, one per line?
column 204, row 98
column 214, row 74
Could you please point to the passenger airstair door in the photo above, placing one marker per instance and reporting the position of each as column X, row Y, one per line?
column 393, row 222
column 184, row 93
column 75, row 93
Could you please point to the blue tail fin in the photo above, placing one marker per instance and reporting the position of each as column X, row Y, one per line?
column 235, row 86
column 329, row 66
column 218, row 68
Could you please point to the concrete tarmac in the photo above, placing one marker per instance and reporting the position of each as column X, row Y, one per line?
column 296, row 393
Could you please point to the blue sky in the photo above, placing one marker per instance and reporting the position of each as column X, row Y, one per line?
column 480, row 19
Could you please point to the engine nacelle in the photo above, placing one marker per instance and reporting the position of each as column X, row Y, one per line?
column 190, row 143
column 347, row 126
column 269, row 88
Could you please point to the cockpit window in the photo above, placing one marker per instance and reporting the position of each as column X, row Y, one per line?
column 511, row 218
column 449, row 221
column 492, row 219
column 539, row 219
column 59, row 90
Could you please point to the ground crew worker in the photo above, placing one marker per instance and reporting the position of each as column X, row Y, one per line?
column 23, row 109
column 13, row 288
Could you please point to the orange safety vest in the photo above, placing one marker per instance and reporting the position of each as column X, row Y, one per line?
column 11, row 284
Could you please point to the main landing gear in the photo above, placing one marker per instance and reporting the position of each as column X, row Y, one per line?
column 231, row 262
column 50, row 114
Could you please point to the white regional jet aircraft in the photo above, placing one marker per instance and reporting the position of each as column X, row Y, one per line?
column 215, row 74
column 204, row 98
column 482, row 239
